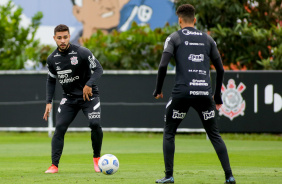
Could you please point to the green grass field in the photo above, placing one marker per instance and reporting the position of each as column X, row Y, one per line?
column 254, row 159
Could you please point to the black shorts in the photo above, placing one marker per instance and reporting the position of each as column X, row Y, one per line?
column 177, row 108
column 70, row 106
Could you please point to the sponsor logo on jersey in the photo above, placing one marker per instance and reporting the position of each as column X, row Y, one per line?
column 196, row 44
column 94, row 115
column 72, row 52
column 196, row 58
column 74, row 60
column 64, row 71
column 187, row 32
column 199, row 93
column 63, row 101
column 200, row 72
column 196, row 82
column 91, row 59
column 178, row 115
column 208, row 115
column 166, row 42
column 233, row 102
column 57, row 55
column 64, row 79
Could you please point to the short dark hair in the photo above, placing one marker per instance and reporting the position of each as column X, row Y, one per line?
column 186, row 12
column 61, row 28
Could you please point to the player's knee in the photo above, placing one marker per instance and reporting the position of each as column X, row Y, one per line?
column 95, row 125
column 61, row 128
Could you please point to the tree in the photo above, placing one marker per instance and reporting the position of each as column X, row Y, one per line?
column 247, row 32
column 17, row 44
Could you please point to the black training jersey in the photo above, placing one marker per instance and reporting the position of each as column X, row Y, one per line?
column 192, row 50
column 74, row 68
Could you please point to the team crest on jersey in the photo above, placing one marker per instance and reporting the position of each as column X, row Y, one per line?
column 233, row 102
column 74, row 60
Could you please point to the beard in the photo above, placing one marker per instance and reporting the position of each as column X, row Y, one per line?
column 63, row 45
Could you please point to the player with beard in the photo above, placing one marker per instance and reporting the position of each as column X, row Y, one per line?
column 78, row 71
column 192, row 50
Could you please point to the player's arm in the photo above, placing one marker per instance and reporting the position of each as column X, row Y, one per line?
column 96, row 72
column 50, row 90
column 216, row 61
column 161, row 74
column 169, row 45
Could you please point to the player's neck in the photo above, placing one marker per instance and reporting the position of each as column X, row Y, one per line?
column 186, row 25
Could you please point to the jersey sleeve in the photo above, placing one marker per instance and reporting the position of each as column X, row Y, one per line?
column 171, row 42
column 95, row 67
column 216, row 61
column 51, row 81
column 214, row 54
column 162, row 72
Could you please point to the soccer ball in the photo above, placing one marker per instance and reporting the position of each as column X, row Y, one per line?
column 108, row 164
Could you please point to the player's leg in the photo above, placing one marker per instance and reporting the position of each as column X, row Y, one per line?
column 176, row 110
column 92, row 110
column 65, row 115
column 206, row 110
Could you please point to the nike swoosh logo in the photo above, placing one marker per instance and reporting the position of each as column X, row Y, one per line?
column 57, row 63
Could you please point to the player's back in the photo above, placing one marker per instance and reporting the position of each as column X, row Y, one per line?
column 192, row 56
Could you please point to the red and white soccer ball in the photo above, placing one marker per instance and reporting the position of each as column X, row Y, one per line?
column 108, row 164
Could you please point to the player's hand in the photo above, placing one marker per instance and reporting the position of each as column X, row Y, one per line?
column 47, row 111
column 159, row 96
column 218, row 106
column 87, row 92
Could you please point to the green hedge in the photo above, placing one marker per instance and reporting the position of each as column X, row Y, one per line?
column 139, row 48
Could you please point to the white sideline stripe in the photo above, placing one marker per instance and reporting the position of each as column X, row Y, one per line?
column 117, row 72
column 103, row 103
column 130, row 72
column 132, row 104
column 24, row 102
column 86, row 129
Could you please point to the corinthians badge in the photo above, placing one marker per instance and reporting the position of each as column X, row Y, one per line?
column 74, row 60
column 233, row 103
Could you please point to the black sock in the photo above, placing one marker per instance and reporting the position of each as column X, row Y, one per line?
column 228, row 174
column 168, row 174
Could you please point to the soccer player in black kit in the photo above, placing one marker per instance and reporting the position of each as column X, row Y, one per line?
column 192, row 50
column 78, row 71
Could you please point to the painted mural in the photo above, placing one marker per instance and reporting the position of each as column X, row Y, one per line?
column 85, row 17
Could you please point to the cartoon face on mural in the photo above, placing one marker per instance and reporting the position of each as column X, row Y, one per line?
column 85, row 17
column 97, row 14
